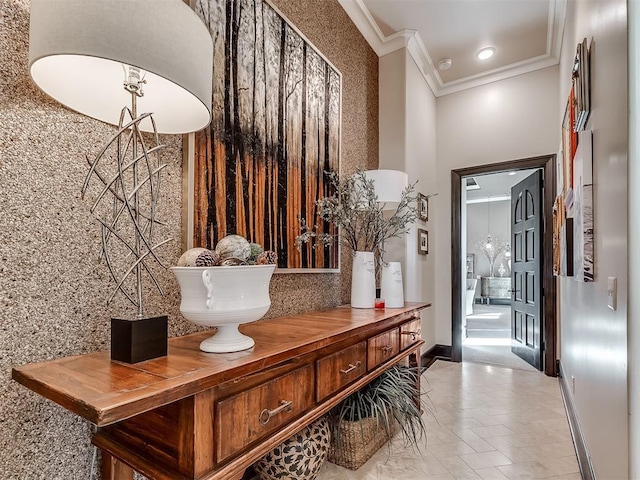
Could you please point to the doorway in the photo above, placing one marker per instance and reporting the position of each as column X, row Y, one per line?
column 547, row 280
column 492, row 250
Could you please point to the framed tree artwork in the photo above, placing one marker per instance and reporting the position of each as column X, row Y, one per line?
column 274, row 138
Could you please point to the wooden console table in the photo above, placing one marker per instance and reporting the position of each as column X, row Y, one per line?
column 195, row 415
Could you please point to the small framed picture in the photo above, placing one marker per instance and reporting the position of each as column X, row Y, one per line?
column 423, row 241
column 423, row 207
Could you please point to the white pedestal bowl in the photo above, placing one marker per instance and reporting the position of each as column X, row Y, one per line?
column 224, row 297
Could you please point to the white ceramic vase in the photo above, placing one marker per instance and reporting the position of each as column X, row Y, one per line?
column 363, row 280
column 224, row 297
column 391, row 285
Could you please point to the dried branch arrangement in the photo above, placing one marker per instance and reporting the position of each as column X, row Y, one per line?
column 363, row 225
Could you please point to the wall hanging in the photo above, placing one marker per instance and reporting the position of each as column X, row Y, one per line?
column 274, row 139
column 582, row 210
column 573, row 208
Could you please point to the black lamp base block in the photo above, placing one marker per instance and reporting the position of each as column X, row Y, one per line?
column 139, row 339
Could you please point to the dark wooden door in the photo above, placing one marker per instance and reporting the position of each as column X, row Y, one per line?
column 526, row 271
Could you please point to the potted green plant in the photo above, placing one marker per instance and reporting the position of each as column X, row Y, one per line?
column 368, row 418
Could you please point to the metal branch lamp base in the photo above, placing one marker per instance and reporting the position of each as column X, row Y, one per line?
column 81, row 53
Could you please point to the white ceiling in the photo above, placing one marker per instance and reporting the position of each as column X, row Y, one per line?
column 525, row 33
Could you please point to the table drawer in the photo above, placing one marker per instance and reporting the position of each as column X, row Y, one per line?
column 410, row 333
column 257, row 412
column 382, row 347
column 340, row 369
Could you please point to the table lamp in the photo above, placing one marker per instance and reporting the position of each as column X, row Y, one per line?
column 388, row 186
column 96, row 56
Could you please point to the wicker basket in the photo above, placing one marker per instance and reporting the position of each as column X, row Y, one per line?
column 358, row 441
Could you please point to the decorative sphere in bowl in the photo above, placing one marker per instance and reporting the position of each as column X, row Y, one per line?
column 224, row 297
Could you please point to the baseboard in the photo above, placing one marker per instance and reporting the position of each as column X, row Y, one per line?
column 437, row 352
column 584, row 462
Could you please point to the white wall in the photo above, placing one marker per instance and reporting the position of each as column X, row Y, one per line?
column 408, row 143
column 391, row 97
column 594, row 338
column 512, row 119
column 421, row 166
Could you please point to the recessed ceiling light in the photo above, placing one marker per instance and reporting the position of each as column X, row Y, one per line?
column 445, row 64
column 485, row 53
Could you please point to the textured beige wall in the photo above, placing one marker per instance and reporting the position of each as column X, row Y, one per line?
column 52, row 289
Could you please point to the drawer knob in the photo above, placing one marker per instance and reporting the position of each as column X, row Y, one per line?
column 352, row 367
column 386, row 349
column 266, row 414
column 414, row 335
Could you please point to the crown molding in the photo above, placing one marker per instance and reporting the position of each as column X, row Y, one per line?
column 424, row 62
column 555, row 30
column 412, row 41
column 369, row 29
column 490, row 76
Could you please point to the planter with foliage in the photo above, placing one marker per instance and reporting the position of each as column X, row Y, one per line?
column 368, row 418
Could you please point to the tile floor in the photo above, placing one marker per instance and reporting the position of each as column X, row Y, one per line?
column 486, row 422
column 489, row 338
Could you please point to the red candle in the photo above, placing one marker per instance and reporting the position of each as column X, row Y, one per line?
column 379, row 303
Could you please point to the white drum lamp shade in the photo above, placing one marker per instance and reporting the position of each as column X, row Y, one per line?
column 388, row 185
column 77, row 49
column 121, row 61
